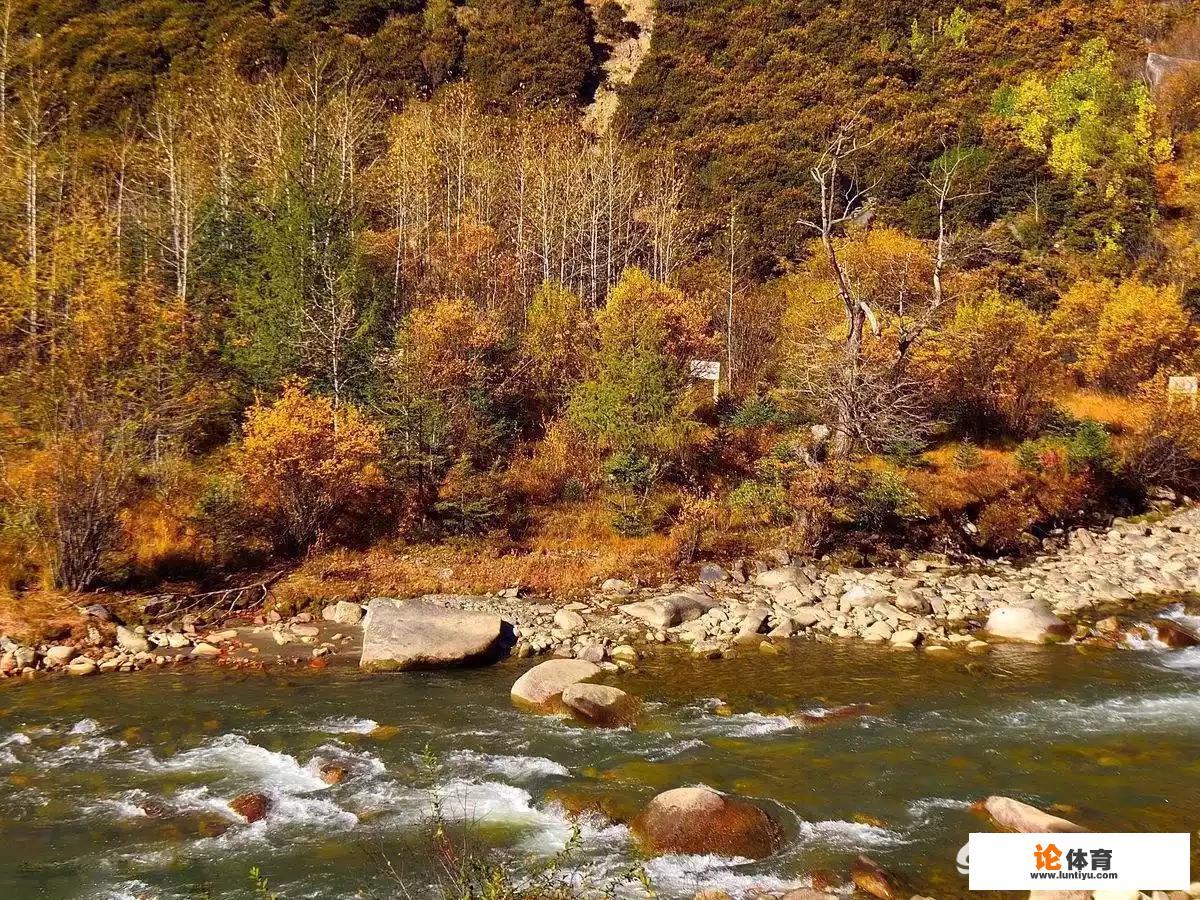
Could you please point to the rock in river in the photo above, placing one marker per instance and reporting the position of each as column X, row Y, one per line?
column 1175, row 634
column 699, row 820
column 413, row 634
column 669, row 611
column 251, row 807
column 873, row 879
column 1031, row 624
column 131, row 640
column 545, row 682
column 599, row 704
column 1017, row 816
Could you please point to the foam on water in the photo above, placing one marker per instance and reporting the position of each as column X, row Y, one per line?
column 234, row 756
column 1166, row 713
column 685, row 875
column 347, row 725
column 925, row 810
column 847, row 836
column 7, row 756
column 513, row 768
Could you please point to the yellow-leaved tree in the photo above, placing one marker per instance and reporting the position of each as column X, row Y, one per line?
column 307, row 464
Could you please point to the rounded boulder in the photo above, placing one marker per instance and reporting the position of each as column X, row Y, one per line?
column 543, row 685
column 599, row 704
column 699, row 820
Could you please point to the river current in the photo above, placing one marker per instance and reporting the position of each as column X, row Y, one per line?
column 117, row 786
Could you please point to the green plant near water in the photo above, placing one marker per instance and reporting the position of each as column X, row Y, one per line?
column 262, row 886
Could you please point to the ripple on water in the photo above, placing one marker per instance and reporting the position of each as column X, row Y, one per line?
column 512, row 768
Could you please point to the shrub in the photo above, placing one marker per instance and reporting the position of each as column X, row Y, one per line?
column 967, row 456
column 1166, row 450
column 1085, row 446
column 306, row 464
column 885, row 501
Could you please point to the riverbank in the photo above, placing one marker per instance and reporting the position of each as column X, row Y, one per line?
column 1085, row 593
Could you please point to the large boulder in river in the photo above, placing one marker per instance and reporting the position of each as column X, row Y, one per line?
column 413, row 634
column 542, row 685
column 1032, row 624
column 698, row 820
column 1017, row 816
column 669, row 611
column 600, row 704
column 1175, row 634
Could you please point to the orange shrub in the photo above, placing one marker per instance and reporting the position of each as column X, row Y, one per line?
column 305, row 463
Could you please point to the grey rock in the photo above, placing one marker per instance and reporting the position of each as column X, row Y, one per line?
column 415, row 634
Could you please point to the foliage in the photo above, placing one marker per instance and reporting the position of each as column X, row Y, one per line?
column 307, row 463
column 1085, row 446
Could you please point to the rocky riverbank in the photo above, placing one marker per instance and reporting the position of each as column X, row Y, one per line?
column 1086, row 592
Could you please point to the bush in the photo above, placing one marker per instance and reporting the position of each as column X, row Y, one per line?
column 1166, row 449
column 307, row 465
column 886, row 501
column 1085, row 446
column 967, row 456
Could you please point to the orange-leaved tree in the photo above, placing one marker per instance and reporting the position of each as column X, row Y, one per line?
column 309, row 465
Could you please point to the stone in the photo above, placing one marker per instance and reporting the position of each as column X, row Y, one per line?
column 616, row 586
column 669, row 611
column 216, row 637
column 600, row 704
column 205, row 649
column 805, row 618
column 131, row 640
column 774, row 579
column 543, row 685
column 251, row 806
column 711, row 573
column 1175, row 634
column 346, row 613
column 873, row 879
column 865, row 593
column 906, row 636
column 414, row 634
column 332, row 773
column 1034, row 625
column 624, row 653
column 568, row 620
column 305, row 631
column 60, row 655
column 81, row 665
column 700, row 820
column 1014, row 815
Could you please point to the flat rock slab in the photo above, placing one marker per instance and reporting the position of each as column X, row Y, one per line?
column 399, row 635
column 669, row 611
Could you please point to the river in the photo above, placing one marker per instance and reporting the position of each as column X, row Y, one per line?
column 1110, row 736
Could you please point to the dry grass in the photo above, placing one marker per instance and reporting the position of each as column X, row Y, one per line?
column 35, row 616
column 946, row 487
column 571, row 550
column 1122, row 415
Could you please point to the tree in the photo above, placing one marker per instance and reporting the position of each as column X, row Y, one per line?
column 306, row 463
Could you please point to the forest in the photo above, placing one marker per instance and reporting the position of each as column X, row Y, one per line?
column 354, row 288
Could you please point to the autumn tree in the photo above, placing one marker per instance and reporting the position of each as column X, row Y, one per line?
column 307, row 464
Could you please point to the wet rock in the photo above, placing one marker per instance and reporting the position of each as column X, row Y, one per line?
column 212, row 827
column 154, row 809
column 81, row 665
column 600, row 704
column 1175, row 634
column 543, row 685
column 205, row 649
column 251, row 806
column 836, row 714
column 871, row 878
column 332, row 773
column 415, row 634
column 1017, row 816
column 700, row 820
column 131, row 640
column 1034, row 625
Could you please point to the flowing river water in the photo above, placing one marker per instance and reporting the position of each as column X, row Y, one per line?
column 118, row 786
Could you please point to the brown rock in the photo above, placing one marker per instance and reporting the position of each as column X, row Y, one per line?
column 212, row 827
column 824, row 880
column 599, row 704
column 1017, row 816
column 699, row 820
column 333, row 773
column 250, row 806
column 1175, row 634
column 871, row 878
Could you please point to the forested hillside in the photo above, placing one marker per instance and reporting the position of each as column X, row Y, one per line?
column 356, row 284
